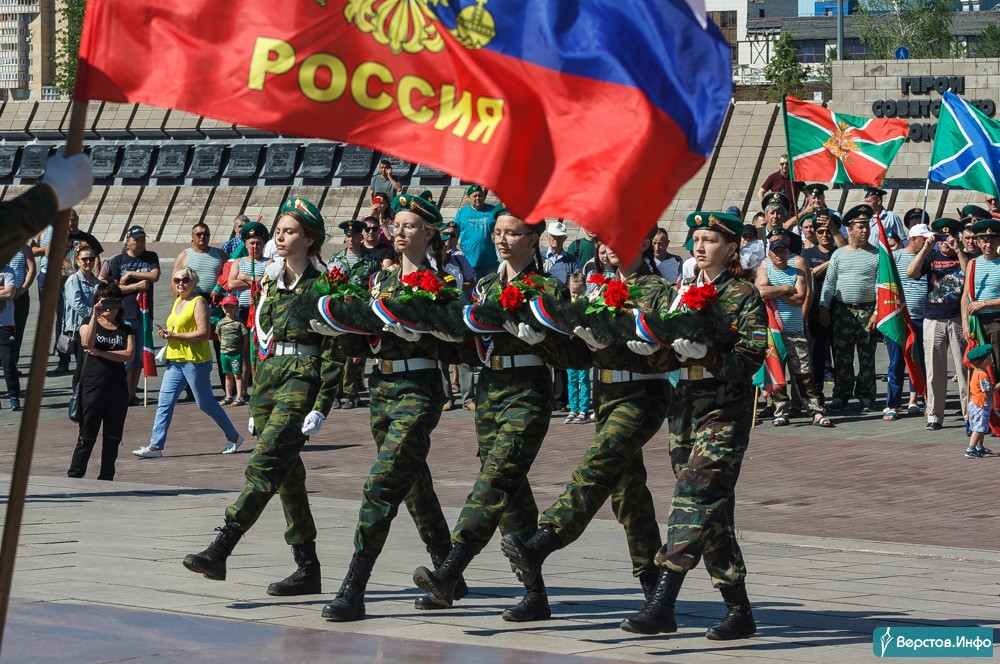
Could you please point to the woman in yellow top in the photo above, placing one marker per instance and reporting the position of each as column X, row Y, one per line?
column 189, row 361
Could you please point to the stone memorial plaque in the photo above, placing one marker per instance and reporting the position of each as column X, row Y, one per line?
column 33, row 158
column 243, row 159
column 355, row 162
column 206, row 161
column 428, row 173
column 170, row 161
column 280, row 161
column 7, row 156
column 136, row 161
column 102, row 160
column 317, row 160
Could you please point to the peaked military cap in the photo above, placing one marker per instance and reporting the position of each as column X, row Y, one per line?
column 308, row 212
column 352, row 226
column 859, row 213
column 945, row 225
column 726, row 224
column 815, row 189
column 987, row 228
column 777, row 231
column 970, row 213
column 776, row 198
column 254, row 229
column 874, row 191
column 419, row 206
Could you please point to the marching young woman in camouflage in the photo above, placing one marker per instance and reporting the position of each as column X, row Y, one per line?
column 630, row 400
column 293, row 388
column 709, row 419
column 514, row 403
column 407, row 397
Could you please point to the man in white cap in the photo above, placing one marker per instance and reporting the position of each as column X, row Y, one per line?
column 915, row 295
column 560, row 264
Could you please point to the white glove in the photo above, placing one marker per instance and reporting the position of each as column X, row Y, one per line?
column 588, row 337
column 401, row 332
column 250, row 426
column 444, row 336
column 70, row 177
column 313, row 422
column 524, row 332
column 642, row 347
column 319, row 327
column 687, row 349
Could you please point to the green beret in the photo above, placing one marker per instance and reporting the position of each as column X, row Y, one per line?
column 815, row 189
column 777, row 230
column 946, row 225
column 352, row 226
column 427, row 194
column 421, row 207
column 500, row 211
column 776, row 198
column 987, row 228
column 979, row 352
column 859, row 213
column 808, row 217
column 726, row 224
column 307, row 211
column 254, row 229
column 874, row 191
column 973, row 212
column 472, row 188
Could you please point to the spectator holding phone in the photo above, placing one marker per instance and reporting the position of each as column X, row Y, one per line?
column 383, row 184
column 108, row 342
column 80, row 289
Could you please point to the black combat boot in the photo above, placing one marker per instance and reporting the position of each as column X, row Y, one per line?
column 648, row 579
column 533, row 606
column 442, row 582
column 528, row 556
column 349, row 604
column 306, row 580
column 738, row 622
column 212, row 561
column 657, row 615
column 427, row 603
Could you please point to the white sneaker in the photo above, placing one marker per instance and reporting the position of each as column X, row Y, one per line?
column 232, row 445
column 570, row 418
column 147, row 452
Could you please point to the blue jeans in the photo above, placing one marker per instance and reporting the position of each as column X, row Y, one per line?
column 897, row 366
column 198, row 377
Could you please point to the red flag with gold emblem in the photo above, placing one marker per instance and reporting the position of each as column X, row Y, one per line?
column 893, row 318
column 594, row 111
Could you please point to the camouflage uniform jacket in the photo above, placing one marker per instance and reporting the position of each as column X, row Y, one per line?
column 555, row 350
column 281, row 317
column 387, row 346
column 23, row 217
column 655, row 293
column 736, row 362
column 359, row 268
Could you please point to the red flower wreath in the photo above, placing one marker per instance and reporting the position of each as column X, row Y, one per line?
column 697, row 297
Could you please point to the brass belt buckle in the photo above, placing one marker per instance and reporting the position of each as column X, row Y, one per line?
column 696, row 373
column 496, row 362
column 386, row 367
column 607, row 376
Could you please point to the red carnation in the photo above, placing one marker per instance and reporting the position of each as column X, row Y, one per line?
column 511, row 298
column 429, row 282
column 697, row 297
column 597, row 278
column 411, row 279
column 336, row 276
column 616, row 293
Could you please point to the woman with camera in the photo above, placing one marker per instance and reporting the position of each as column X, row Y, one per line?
column 189, row 361
column 105, row 345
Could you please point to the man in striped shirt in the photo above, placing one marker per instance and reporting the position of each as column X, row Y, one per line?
column 848, row 304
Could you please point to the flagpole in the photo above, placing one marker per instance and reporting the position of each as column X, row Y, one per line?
column 36, row 385
column 927, row 188
column 145, row 388
column 756, row 399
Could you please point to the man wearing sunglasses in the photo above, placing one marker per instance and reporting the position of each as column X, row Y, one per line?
column 371, row 238
column 820, row 339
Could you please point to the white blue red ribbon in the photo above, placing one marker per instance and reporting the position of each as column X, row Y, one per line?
column 470, row 321
column 642, row 328
column 389, row 318
column 543, row 317
column 324, row 312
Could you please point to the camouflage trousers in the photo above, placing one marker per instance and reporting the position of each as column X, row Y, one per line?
column 628, row 416
column 284, row 392
column 850, row 331
column 405, row 408
column 709, row 424
column 513, row 409
column 800, row 372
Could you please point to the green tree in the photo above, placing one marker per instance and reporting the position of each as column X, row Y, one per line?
column 67, row 46
column 922, row 26
column 987, row 44
column 784, row 72
column 826, row 73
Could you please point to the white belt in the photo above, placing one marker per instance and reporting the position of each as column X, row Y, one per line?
column 279, row 348
column 501, row 362
column 695, row 373
column 608, row 376
column 402, row 366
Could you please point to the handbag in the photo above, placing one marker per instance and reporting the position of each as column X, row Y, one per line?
column 66, row 343
column 74, row 399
